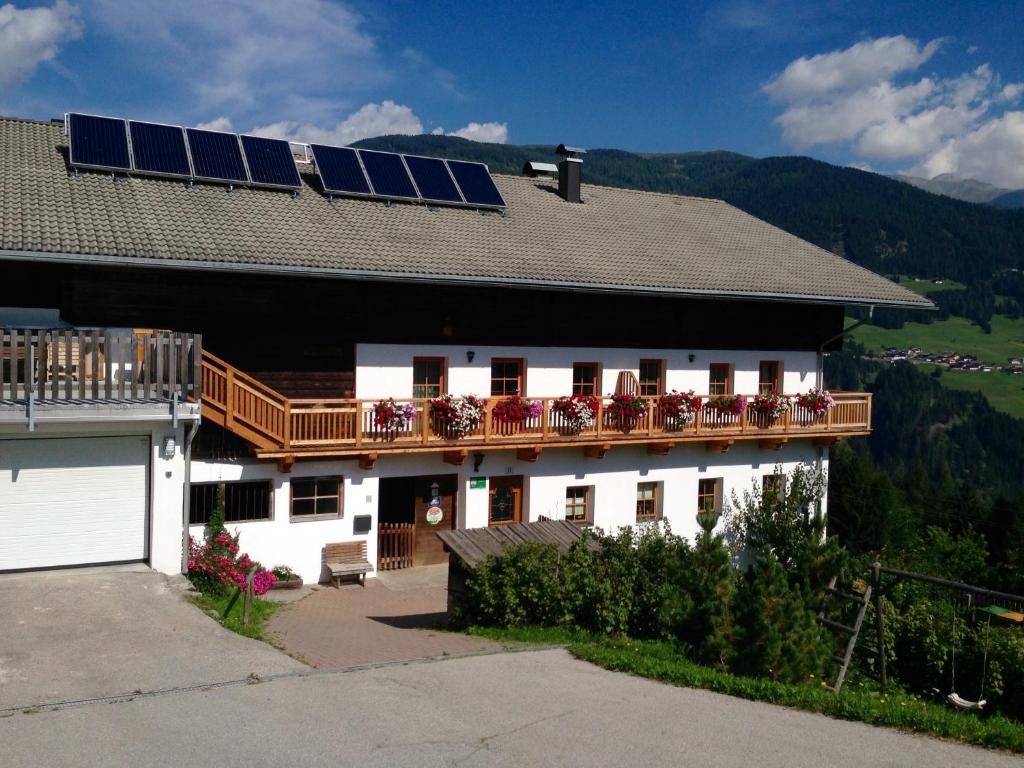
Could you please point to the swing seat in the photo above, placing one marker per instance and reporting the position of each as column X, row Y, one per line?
column 956, row 700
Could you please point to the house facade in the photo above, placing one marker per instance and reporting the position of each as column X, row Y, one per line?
column 290, row 355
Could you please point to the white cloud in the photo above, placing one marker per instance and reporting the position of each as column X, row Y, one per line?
column 369, row 120
column 868, row 98
column 860, row 65
column 217, row 124
column 495, row 133
column 31, row 36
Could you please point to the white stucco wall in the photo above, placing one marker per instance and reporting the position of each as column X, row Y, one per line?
column 614, row 478
column 385, row 370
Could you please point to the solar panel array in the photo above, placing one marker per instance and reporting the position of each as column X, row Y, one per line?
column 193, row 154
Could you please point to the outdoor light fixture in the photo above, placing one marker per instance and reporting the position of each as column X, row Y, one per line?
column 470, row 354
column 169, row 446
column 691, row 357
column 435, row 490
column 478, row 459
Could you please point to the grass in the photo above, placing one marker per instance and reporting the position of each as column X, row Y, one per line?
column 663, row 662
column 924, row 286
column 227, row 610
column 1003, row 391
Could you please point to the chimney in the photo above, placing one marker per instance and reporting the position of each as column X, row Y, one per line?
column 570, row 171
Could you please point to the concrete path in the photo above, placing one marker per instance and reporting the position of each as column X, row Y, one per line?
column 539, row 708
column 393, row 618
column 78, row 634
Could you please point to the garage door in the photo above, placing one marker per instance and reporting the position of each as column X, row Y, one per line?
column 72, row 501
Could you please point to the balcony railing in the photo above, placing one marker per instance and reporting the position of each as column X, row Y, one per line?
column 99, row 364
column 277, row 425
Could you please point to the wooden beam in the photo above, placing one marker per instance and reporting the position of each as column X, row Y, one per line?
column 455, row 458
column 660, row 449
column 827, row 441
column 719, row 446
column 772, row 443
column 367, row 460
column 285, row 463
column 597, row 451
column 528, row 454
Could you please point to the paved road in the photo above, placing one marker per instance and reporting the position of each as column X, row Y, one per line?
column 538, row 708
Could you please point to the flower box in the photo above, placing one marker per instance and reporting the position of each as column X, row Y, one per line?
column 765, row 409
column 516, row 410
column 626, row 411
column 576, row 413
column 678, row 409
column 727, row 405
column 389, row 416
column 816, row 402
column 457, row 416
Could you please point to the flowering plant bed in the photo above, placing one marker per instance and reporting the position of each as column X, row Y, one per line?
column 626, row 410
column 770, row 406
column 730, row 405
column 458, row 415
column 679, row 408
column 817, row 401
column 389, row 416
column 285, row 578
column 516, row 410
column 577, row 411
column 216, row 564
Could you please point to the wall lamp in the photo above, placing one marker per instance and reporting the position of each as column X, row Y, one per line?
column 691, row 357
column 478, row 459
column 470, row 354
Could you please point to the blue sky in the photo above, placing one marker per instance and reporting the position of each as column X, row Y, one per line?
column 925, row 87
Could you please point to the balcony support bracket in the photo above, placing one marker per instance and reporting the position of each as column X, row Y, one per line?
column 528, row 454
column 597, row 451
column 828, row 441
column 772, row 443
column 455, row 458
column 660, row 449
column 719, row 446
column 367, row 460
column 285, row 464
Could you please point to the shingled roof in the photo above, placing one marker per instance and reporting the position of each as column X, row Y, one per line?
column 618, row 239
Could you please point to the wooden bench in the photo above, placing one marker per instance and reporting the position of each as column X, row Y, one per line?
column 347, row 558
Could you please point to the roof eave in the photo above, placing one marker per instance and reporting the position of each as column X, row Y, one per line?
column 418, row 277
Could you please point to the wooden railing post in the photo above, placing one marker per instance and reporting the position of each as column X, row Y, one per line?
column 600, row 416
column 229, row 397
column 651, row 403
column 545, row 410
column 287, row 426
column 425, row 421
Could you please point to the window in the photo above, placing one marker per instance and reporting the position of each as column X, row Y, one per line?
column 585, row 378
column 577, row 504
column 316, row 497
column 708, row 495
column 768, row 379
column 773, row 485
column 720, row 379
column 646, row 501
column 652, row 377
column 506, row 377
column 243, row 501
column 428, row 379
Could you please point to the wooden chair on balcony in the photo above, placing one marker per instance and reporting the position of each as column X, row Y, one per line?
column 347, row 559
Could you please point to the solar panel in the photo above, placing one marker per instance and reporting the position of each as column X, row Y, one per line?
column 340, row 171
column 159, row 149
column 476, row 184
column 98, row 142
column 388, row 174
column 270, row 162
column 216, row 156
column 432, row 179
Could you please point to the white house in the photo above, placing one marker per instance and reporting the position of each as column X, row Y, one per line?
column 299, row 310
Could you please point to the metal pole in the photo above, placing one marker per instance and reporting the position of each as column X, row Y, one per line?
column 876, row 595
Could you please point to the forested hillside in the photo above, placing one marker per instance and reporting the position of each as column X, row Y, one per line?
column 883, row 224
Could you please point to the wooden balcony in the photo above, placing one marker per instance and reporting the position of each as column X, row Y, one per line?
column 285, row 429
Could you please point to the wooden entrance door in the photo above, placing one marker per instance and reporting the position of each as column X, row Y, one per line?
column 506, row 500
column 428, row 549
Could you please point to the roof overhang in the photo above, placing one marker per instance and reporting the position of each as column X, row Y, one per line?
column 444, row 279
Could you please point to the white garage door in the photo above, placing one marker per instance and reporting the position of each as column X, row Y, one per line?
column 72, row 501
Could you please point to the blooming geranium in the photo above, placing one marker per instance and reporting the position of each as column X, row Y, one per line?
column 577, row 411
column 733, row 405
column 627, row 409
column 516, row 410
column 817, row 401
column 458, row 415
column 389, row 416
column 216, row 563
column 679, row 408
column 772, row 405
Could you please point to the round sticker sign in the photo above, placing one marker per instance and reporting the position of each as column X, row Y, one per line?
column 435, row 515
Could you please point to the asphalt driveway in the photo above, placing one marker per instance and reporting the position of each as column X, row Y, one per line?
column 80, row 634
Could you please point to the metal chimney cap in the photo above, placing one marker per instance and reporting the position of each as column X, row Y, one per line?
column 567, row 151
column 533, row 168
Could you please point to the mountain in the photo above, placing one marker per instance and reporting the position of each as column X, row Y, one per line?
column 1013, row 199
column 968, row 190
column 879, row 222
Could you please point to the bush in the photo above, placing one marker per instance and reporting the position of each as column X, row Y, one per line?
column 215, row 566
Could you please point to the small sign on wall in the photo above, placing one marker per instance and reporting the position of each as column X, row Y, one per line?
column 478, row 482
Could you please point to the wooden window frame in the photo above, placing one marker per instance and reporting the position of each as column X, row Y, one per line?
column 655, row 501
column 659, row 383
column 225, row 483
column 521, row 389
column 443, row 361
column 776, row 384
column 316, row 496
column 778, row 479
column 518, row 491
column 596, row 379
column 729, row 379
column 715, row 494
column 588, row 492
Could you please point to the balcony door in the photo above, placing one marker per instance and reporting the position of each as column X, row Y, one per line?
column 506, row 500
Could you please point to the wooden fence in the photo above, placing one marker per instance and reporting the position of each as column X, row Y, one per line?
column 396, row 542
